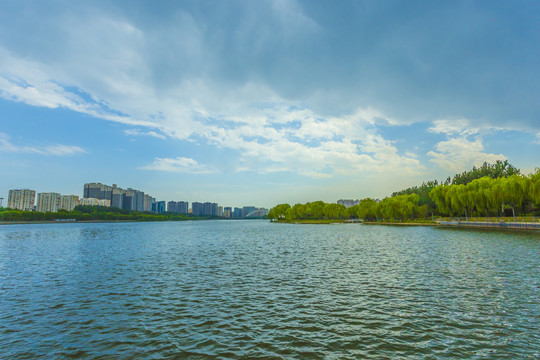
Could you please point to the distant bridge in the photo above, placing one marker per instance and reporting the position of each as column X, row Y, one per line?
column 256, row 213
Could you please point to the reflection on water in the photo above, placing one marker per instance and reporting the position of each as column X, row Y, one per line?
column 233, row 289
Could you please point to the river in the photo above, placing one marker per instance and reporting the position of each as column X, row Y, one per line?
column 254, row 289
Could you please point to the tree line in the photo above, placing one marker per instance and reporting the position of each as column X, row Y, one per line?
column 89, row 213
column 491, row 190
column 392, row 208
column 489, row 197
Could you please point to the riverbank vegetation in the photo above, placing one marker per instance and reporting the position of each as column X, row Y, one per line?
column 491, row 190
column 92, row 213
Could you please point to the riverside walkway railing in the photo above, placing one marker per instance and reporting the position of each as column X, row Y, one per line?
column 528, row 223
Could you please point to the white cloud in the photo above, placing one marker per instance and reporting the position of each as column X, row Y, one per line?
column 138, row 132
column 311, row 145
column 62, row 150
column 179, row 165
column 35, row 84
column 58, row 150
column 453, row 127
column 460, row 153
column 269, row 132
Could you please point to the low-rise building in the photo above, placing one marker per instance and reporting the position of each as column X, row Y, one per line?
column 95, row 202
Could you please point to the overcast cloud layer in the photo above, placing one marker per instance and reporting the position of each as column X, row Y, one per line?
column 316, row 90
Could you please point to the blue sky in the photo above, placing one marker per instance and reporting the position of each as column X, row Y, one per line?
column 263, row 102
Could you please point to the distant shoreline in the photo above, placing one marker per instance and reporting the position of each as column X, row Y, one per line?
column 441, row 224
column 115, row 221
column 68, row 222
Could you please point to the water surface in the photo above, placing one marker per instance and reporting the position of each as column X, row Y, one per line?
column 252, row 289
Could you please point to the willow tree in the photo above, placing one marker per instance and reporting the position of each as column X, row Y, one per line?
column 367, row 209
column 438, row 195
column 483, row 196
column 314, row 210
column 334, row 211
column 399, row 207
column 535, row 187
column 466, row 199
column 279, row 211
column 517, row 191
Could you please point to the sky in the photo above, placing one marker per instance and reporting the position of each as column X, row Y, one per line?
column 264, row 102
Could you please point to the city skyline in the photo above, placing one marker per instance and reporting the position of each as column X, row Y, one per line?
column 127, row 199
column 264, row 102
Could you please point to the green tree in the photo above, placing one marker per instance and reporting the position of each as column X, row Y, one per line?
column 279, row 211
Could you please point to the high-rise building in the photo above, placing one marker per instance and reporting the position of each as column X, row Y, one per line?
column 130, row 199
column 210, row 209
column 178, row 207
column 237, row 213
column 106, row 192
column 137, row 202
column 183, row 207
column 92, row 190
column 118, row 196
column 48, row 202
column 147, row 202
column 21, row 199
column 220, row 211
column 140, row 200
column 197, row 208
column 160, row 205
column 227, row 212
column 98, row 191
column 171, row 207
column 68, row 202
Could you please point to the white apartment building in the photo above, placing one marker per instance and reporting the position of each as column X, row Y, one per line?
column 48, row 202
column 21, row 199
column 68, row 202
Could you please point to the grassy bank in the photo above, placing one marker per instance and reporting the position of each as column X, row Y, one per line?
column 404, row 223
column 310, row 221
column 491, row 223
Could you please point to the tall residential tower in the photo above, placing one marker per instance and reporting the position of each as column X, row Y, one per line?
column 21, row 199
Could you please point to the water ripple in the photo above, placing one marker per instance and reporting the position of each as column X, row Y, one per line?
column 255, row 290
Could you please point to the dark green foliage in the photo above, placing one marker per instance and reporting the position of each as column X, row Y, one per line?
column 497, row 170
column 494, row 171
column 422, row 191
column 87, row 209
column 486, row 196
column 89, row 213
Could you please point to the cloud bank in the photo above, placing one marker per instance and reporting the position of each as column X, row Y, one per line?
column 283, row 84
